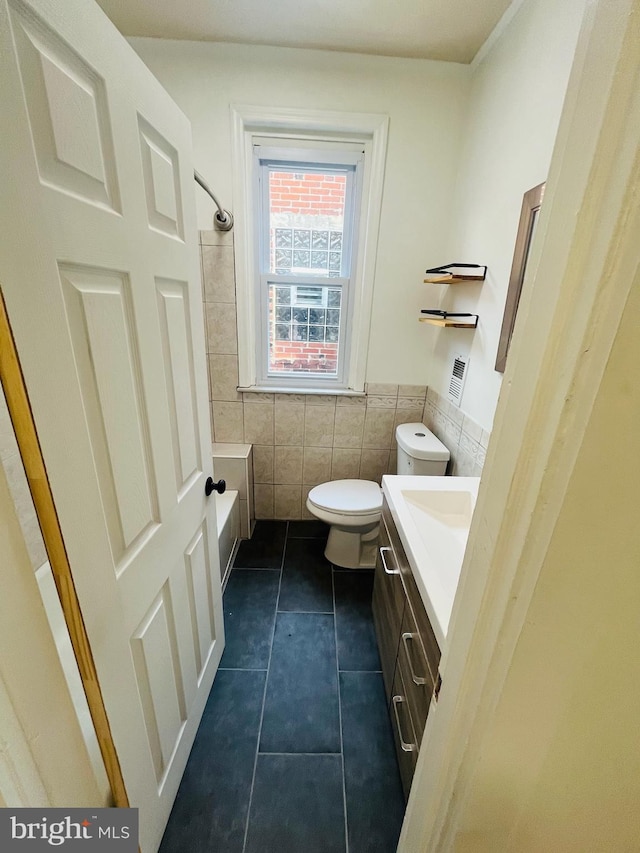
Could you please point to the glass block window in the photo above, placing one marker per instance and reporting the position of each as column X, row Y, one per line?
column 293, row 252
column 306, row 230
column 305, row 330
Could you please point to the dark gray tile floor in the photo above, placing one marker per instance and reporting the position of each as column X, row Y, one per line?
column 295, row 752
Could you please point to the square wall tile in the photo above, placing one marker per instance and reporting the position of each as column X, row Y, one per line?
column 468, row 445
column 306, row 488
column 473, row 430
column 412, row 391
column 288, row 465
column 378, row 428
column 373, row 464
column 410, row 403
column 258, row 423
column 433, row 395
column 349, row 427
column 290, row 398
column 223, row 377
column 228, row 425
column 464, row 464
column 320, row 399
column 288, row 502
column 428, row 415
column 216, row 238
column 319, row 426
column 263, row 501
column 382, row 388
column 345, row 464
column 317, row 464
column 378, row 402
column 218, row 274
column 456, row 414
column 263, row 459
column 257, row 397
column 351, row 402
column 221, row 327
column 233, row 472
column 392, row 464
column 289, row 423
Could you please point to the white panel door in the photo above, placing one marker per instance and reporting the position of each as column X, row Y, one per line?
column 101, row 278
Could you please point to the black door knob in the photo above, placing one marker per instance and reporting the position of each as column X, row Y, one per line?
column 210, row 486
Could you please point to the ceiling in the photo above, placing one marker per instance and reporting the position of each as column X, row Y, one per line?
column 451, row 30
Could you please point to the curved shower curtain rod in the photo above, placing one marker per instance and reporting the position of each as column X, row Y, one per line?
column 222, row 219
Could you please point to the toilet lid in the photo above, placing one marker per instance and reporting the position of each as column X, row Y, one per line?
column 351, row 497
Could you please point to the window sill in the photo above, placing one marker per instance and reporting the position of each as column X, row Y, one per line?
column 274, row 389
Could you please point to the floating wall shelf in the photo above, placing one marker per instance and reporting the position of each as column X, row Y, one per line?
column 455, row 274
column 446, row 319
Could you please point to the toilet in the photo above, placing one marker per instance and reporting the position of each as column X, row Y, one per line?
column 353, row 507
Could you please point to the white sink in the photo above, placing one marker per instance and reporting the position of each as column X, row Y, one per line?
column 451, row 509
column 433, row 516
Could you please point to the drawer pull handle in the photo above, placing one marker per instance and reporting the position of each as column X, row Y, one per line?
column 405, row 641
column 407, row 747
column 387, row 570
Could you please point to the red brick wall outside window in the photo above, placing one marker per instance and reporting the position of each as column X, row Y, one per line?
column 306, row 219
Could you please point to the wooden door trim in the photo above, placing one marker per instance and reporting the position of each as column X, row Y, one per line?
column 15, row 391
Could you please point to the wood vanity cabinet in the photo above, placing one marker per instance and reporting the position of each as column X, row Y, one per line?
column 409, row 652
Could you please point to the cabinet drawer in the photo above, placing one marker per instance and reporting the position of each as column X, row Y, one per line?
column 416, row 675
column 403, row 733
column 388, row 608
column 421, row 620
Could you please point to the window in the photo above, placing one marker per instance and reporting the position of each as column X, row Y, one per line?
column 307, row 215
column 307, row 202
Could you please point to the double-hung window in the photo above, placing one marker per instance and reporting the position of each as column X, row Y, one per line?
column 307, row 197
column 307, row 216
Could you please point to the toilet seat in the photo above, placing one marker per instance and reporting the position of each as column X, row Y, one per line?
column 361, row 498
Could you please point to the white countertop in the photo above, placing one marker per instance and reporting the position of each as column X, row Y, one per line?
column 433, row 525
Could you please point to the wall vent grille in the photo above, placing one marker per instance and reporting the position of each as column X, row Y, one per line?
column 458, row 378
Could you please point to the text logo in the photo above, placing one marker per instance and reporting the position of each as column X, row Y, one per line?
column 37, row 830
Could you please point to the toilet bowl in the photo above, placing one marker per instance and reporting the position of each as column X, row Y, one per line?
column 353, row 507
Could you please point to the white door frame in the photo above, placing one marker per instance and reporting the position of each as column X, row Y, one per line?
column 581, row 270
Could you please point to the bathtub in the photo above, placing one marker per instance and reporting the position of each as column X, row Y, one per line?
column 228, row 520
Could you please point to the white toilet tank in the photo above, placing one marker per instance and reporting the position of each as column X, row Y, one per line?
column 419, row 451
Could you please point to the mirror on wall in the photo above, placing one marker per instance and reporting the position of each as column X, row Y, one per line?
column 531, row 203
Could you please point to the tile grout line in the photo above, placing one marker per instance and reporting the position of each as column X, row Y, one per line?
column 239, row 669
column 300, row 753
column 264, row 694
column 344, row 783
column 374, row 671
column 308, row 612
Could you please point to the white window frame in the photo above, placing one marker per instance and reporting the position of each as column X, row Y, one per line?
column 320, row 159
column 250, row 125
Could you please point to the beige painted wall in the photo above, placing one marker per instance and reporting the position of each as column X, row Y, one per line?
column 560, row 766
column 517, row 92
column 426, row 102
